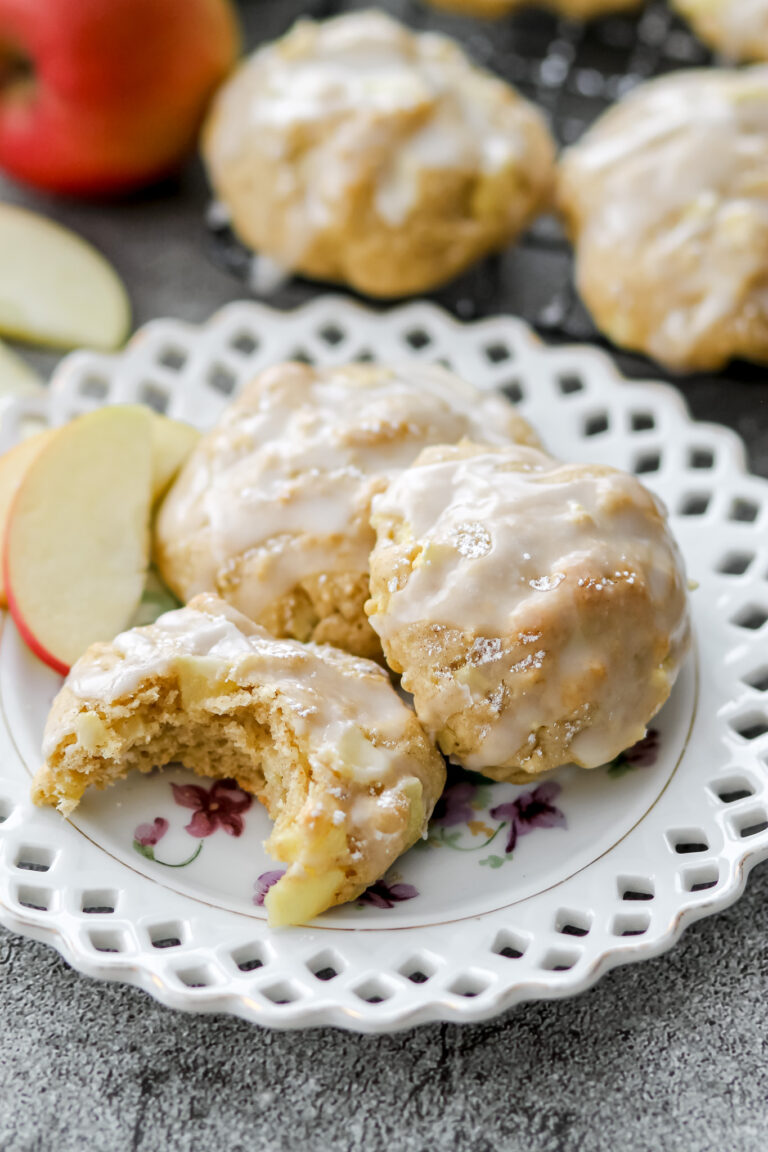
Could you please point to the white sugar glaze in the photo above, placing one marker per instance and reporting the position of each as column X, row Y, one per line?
column 288, row 474
column 485, row 538
column 323, row 689
column 737, row 28
column 348, row 79
column 670, row 188
column 371, row 771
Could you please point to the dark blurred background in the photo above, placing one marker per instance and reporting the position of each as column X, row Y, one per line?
column 574, row 72
column 175, row 264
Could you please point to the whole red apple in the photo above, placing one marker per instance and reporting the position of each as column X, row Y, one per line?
column 100, row 96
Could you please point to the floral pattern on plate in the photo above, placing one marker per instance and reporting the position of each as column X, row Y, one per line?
column 466, row 805
column 467, row 796
column 466, row 919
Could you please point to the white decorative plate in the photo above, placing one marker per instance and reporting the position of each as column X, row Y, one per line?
column 519, row 893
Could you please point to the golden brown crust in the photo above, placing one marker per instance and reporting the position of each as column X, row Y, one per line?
column 453, row 214
column 459, row 218
column 358, row 425
column 537, row 612
column 573, row 9
column 665, row 201
column 428, row 652
column 737, row 30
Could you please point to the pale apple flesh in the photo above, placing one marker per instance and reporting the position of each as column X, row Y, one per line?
column 13, row 467
column 172, row 442
column 55, row 288
column 77, row 540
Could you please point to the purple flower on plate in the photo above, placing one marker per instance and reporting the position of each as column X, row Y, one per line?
column 454, row 806
column 148, row 835
column 645, row 752
column 530, row 810
column 266, row 881
column 382, row 895
column 641, row 755
column 220, row 806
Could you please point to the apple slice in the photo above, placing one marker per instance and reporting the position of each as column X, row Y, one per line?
column 16, row 377
column 13, row 468
column 55, row 288
column 172, row 442
column 77, row 541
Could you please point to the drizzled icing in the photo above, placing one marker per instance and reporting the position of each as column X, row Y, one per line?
column 737, row 28
column 358, row 89
column 321, row 688
column 667, row 199
column 480, row 541
column 369, row 760
column 287, row 476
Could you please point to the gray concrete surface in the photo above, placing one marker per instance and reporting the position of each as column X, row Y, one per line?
column 668, row 1055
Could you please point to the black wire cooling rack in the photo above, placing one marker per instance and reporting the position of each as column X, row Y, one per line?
column 573, row 71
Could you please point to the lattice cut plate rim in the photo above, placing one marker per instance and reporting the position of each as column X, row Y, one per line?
column 472, row 968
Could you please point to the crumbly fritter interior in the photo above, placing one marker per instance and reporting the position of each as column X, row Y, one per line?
column 326, row 608
column 225, row 734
